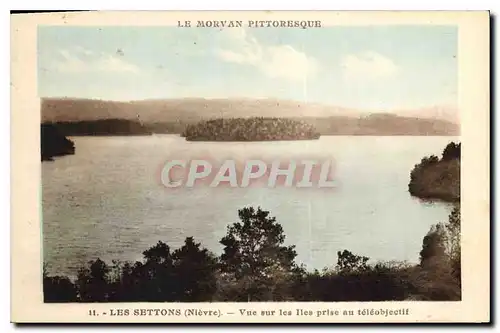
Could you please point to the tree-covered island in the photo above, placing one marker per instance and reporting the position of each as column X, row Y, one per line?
column 438, row 178
column 250, row 129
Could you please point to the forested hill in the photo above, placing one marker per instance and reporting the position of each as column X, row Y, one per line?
column 102, row 127
column 172, row 116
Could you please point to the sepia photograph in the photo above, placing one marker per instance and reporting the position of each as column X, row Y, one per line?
column 252, row 159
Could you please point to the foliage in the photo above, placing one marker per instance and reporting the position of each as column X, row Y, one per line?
column 101, row 127
column 92, row 282
column 435, row 178
column 53, row 143
column 254, row 255
column 194, row 272
column 256, row 265
column 250, row 129
column 454, row 248
column 381, row 282
column 439, row 275
column 348, row 262
column 451, row 151
column 433, row 247
column 58, row 289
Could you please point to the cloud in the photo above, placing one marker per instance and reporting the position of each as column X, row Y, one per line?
column 275, row 61
column 81, row 60
column 368, row 64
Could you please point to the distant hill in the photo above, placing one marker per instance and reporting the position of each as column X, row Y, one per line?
column 443, row 112
column 382, row 124
column 185, row 110
column 173, row 115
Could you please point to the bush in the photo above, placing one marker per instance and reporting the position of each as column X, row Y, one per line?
column 256, row 266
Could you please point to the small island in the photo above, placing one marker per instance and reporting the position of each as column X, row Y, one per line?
column 435, row 178
column 53, row 143
column 250, row 129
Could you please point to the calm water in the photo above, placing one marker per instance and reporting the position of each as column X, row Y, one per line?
column 107, row 201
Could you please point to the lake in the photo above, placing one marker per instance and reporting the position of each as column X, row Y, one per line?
column 107, row 200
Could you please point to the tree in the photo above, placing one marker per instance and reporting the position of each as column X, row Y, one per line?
column 58, row 289
column 194, row 271
column 158, row 254
column 132, row 285
column 442, row 242
column 438, row 277
column 254, row 255
column 157, row 274
column 453, row 244
column 451, row 151
column 433, row 247
column 187, row 275
column 348, row 262
column 93, row 282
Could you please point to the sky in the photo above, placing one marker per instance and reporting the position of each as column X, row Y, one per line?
column 378, row 67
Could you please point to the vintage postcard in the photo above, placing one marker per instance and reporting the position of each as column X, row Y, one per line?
column 218, row 167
